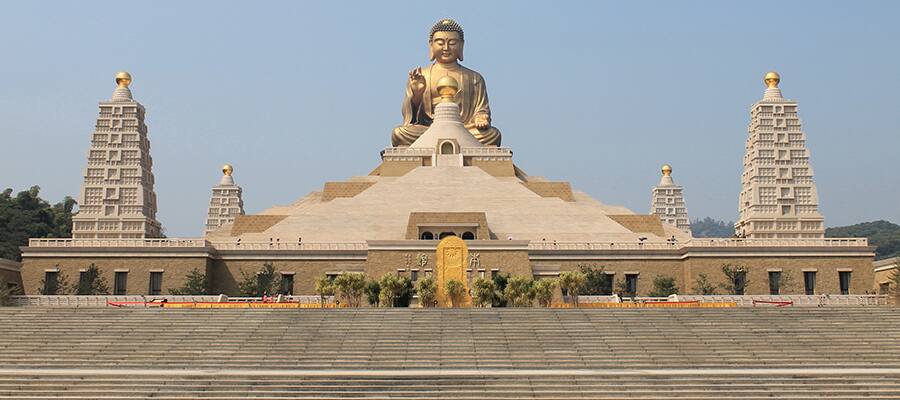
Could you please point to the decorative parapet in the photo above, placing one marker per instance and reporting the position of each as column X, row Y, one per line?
column 294, row 246
column 830, row 242
column 119, row 243
column 487, row 151
column 406, row 152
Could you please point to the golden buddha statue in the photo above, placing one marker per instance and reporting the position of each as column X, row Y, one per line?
column 446, row 50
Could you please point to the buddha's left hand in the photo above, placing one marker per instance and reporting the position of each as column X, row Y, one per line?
column 482, row 121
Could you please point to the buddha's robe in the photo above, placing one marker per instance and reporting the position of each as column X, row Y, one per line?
column 472, row 100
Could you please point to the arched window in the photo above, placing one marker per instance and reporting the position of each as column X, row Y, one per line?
column 468, row 235
column 445, row 234
column 427, row 236
column 447, row 148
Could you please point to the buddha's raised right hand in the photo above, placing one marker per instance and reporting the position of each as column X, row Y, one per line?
column 417, row 82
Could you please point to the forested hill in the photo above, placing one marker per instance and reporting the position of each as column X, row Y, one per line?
column 27, row 215
column 882, row 234
column 711, row 228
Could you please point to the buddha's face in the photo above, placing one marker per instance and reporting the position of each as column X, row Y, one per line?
column 446, row 47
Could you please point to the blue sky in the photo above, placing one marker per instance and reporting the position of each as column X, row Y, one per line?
column 597, row 93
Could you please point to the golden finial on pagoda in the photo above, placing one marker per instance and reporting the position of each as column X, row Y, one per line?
column 227, row 169
column 772, row 78
column 123, row 79
column 447, row 88
column 667, row 170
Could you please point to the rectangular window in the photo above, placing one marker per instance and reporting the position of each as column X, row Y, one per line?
column 774, row 283
column 884, row 288
column 51, row 282
column 844, row 278
column 156, row 283
column 740, row 282
column 414, row 275
column 121, row 284
column 631, row 285
column 809, row 282
column 82, row 280
column 287, row 284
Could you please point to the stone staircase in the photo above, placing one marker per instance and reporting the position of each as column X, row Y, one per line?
column 800, row 353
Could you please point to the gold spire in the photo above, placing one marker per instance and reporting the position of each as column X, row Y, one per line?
column 772, row 79
column 227, row 169
column 447, row 87
column 667, row 170
column 123, row 79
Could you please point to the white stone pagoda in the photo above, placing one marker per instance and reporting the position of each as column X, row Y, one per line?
column 226, row 202
column 778, row 196
column 668, row 202
column 117, row 199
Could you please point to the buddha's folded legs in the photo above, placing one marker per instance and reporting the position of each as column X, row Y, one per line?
column 488, row 137
column 405, row 135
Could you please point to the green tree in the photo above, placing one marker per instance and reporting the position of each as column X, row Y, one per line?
column 519, row 291
column 572, row 282
column 427, row 290
column 884, row 235
column 736, row 279
column 393, row 290
column 894, row 286
column 262, row 282
column 787, row 283
column 500, row 280
column 196, row 284
column 456, row 292
column 324, row 288
column 483, row 292
column 711, row 228
column 6, row 291
column 352, row 286
column 596, row 281
column 91, row 283
column 373, row 292
column 703, row 286
column 28, row 216
column 622, row 288
column 664, row 286
column 62, row 287
column 543, row 291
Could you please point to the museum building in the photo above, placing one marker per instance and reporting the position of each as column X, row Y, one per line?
column 446, row 174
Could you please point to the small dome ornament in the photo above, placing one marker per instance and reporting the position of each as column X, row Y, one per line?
column 772, row 79
column 447, row 87
column 667, row 170
column 227, row 169
column 123, row 79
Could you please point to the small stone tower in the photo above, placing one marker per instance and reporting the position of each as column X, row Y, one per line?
column 778, row 196
column 117, row 199
column 668, row 202
column 226, row 202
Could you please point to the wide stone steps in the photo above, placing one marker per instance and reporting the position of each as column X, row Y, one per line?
column 416, row 354
column 626, row 386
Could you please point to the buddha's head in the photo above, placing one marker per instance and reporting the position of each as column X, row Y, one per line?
column 446, row 42
column 123, row 79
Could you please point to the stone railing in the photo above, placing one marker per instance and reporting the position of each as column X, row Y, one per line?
column 542, row 245
column 169, row 242
column 486, row 151
column 830, row 242
column 789, row 300
column 302, row 246
column 102, row 301
column 407, row 151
